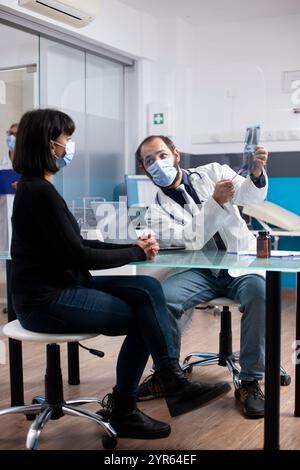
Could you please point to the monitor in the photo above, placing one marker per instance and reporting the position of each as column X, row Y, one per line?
column 141, row 191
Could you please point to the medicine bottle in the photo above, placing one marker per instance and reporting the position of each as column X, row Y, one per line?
column 263, row 245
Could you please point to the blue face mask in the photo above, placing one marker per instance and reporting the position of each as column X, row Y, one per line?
column 163, row 172
column 11, row 141
column 61, row 162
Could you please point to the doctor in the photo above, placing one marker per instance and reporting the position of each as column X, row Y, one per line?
column 199, row 208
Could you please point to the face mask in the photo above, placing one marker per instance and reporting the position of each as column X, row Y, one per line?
column 163, row 172
column 61, row 162
column 11, row 141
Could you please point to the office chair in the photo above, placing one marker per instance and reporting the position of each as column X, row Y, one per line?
column 52, row 405
column 225, row 357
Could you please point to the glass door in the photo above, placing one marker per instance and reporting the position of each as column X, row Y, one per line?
column 91, row 90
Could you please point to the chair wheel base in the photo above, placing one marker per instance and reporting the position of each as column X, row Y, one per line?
column 109, row 442
column 35, row 401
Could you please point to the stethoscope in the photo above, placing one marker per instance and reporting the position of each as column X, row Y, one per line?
column 189, row 174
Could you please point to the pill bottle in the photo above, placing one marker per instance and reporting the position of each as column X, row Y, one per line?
column 263, row 245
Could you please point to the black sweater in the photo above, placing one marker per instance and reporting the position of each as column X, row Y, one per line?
column 48, row 253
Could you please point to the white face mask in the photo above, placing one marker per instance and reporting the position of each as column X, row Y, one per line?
column 163, row 172
column 68, row 156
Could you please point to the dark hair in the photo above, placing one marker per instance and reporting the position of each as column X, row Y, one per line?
column 32, row 153
column 14, row 124
column 164, row 138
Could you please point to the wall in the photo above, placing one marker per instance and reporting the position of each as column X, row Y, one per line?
column 125, row 30
column 243, row 60
column 168, row 80
column 238, row 80
column 218, row 79
column 117, row 27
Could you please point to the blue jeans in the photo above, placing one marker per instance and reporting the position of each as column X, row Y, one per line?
column 187, row 289
column 134, row 306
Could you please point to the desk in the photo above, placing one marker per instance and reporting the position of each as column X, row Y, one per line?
column 220, row 260
column 273, row 268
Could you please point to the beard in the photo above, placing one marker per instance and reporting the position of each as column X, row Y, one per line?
column 178, row 177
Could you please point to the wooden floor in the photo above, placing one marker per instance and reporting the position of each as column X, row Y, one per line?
column 219, row 425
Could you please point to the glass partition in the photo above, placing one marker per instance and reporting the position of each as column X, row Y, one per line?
column 105, row 125
column 18, row 94
column 91, row 90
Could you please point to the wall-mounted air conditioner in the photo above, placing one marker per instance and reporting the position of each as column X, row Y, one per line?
column 77, row 13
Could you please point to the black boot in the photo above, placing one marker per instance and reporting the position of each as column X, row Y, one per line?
column 129, row 421
column 182, row 395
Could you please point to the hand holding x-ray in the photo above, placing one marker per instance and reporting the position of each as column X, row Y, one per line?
column 252, row 162
column 259, row 161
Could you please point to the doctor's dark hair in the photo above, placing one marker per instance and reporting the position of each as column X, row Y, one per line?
column 164, row 138
column 36, row 128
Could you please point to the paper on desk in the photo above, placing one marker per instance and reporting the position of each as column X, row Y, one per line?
column 274, row 253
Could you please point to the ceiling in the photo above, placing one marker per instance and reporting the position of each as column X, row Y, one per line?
column 203, row 12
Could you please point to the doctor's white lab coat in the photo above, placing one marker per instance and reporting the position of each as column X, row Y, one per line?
column 194, row 225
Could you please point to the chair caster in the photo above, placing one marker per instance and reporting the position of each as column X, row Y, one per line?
column 105, row 414
column 30, row 417
column 109, row 442
column 188, row 369
column 35, row 401
column 285, row 380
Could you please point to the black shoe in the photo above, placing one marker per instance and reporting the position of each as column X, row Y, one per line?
column 182, row 395
column 128, row 421
column 150, row 388
column 252, row 397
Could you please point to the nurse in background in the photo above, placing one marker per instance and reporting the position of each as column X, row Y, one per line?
column 6, row 200
column 6, row 162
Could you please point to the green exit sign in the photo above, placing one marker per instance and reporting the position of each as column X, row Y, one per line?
column 158, row 118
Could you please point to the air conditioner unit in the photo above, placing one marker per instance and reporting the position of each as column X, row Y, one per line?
column 77, row 13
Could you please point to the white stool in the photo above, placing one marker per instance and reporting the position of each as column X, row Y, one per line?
column 225, row 357
column 53, row 406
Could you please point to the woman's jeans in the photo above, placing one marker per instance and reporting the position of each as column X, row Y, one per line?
column 134, row 306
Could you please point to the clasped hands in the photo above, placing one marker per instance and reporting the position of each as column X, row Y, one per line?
column 149, row 244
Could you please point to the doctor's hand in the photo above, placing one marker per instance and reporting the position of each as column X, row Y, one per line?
column 149, row 245
column 259, row 161
column 224, row 191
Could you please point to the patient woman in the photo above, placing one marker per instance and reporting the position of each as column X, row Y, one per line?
column 53, row 291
